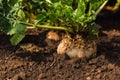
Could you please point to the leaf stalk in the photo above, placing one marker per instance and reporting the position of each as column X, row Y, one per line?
column 100, row 8
column 30, row 25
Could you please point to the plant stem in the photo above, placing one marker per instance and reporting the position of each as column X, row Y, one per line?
column 100, row 8
column 47, row 27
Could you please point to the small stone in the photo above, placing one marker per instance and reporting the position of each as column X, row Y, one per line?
column 31, row 63
column 92, row 70
column 99, row 71
column 88, row 78
column 41, row 76
column 98, row 76
column 110, row 66
column 53, row 36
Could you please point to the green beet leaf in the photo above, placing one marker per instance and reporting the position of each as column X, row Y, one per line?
column 19, row 33
column 11, row 3
column 4, row 24
column 94, row 31
column 17, row 28
column 39, row 18
column 21, row 14
column 16, row 38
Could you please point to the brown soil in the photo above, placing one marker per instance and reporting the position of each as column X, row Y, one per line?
column 35, row 58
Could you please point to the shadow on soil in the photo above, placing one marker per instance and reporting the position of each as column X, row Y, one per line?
column 109, row 45
column 110, row 49
column 109, row 20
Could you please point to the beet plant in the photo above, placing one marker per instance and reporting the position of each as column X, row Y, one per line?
column 73, row 16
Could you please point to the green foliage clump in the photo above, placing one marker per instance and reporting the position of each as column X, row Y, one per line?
column 70, row 15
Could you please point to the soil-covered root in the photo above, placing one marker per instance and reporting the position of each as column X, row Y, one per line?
column 77, row 47
column 52, row 39
column 64, row 45
column 52, row 36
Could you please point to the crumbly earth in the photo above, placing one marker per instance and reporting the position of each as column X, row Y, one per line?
column 35, row 59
